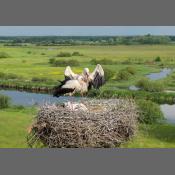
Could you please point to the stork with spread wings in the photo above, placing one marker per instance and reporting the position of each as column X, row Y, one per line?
column 80, row 82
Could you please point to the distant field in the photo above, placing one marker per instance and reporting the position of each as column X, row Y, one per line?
column 32, row 61
column 29, row 61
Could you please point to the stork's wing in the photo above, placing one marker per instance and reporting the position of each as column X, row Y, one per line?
column 69, row 74
column 97, row 76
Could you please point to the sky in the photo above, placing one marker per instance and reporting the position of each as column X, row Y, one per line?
column 85, row 30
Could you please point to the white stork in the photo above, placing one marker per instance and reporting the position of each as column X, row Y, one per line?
column 80, row 83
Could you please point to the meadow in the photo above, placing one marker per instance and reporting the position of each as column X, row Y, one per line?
column 30, row 62
column 14, row 126
column 31, row 65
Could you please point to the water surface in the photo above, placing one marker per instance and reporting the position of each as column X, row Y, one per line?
column 169, row 112
column 160, row 75
column 134, row 88
column 30, row 98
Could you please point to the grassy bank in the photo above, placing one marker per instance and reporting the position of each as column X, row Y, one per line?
column 158, row 97
column 14, row 125
column 153, row 136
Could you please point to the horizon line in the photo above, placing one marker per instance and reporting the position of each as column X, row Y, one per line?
column 85, row 35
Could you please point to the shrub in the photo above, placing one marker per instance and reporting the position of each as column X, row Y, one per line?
column 105, row 61
column 29, row 52
column 24, row 61
column 150, row 112
column 11, row 76
column 2, row 75
column 4, row 101
column 63, row 63
column 73, row 63
column 64, row 54
column 143, row 83
column 108, row 74
column 131, row 70
column 40, row 79
column 76, row 54
column 126, row 62
column 123, row 75
column 157, row 59
column 51, row 60
column 102, row 61
column 151, row 86
column 93, row 61
column 3, row 55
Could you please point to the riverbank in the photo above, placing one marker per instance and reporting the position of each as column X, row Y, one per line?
column 153, row 136
column 14, row 126
column 27, row 86
column 157, row 97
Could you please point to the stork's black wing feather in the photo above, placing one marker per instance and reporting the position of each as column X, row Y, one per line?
column 98, row 80
column 61, row 91
column 63, row 82
column 58, row 90
column 97, row 76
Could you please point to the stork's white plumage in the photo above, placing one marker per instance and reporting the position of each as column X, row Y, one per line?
column 80, row 83
column 68, row 73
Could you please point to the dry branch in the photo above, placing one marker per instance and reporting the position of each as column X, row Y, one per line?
column 107, row 123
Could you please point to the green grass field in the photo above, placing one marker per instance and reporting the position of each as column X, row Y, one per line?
column 13, row 127
column 32, row 61
column 153, row 136
column 35, row 64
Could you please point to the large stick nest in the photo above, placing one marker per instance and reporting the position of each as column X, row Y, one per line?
column 106, row 123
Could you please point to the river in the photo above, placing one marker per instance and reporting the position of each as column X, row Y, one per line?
column 30, row 98
column 169, row 112
column 154, row 76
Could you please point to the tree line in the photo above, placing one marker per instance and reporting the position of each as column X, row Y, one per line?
column 86, row 40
